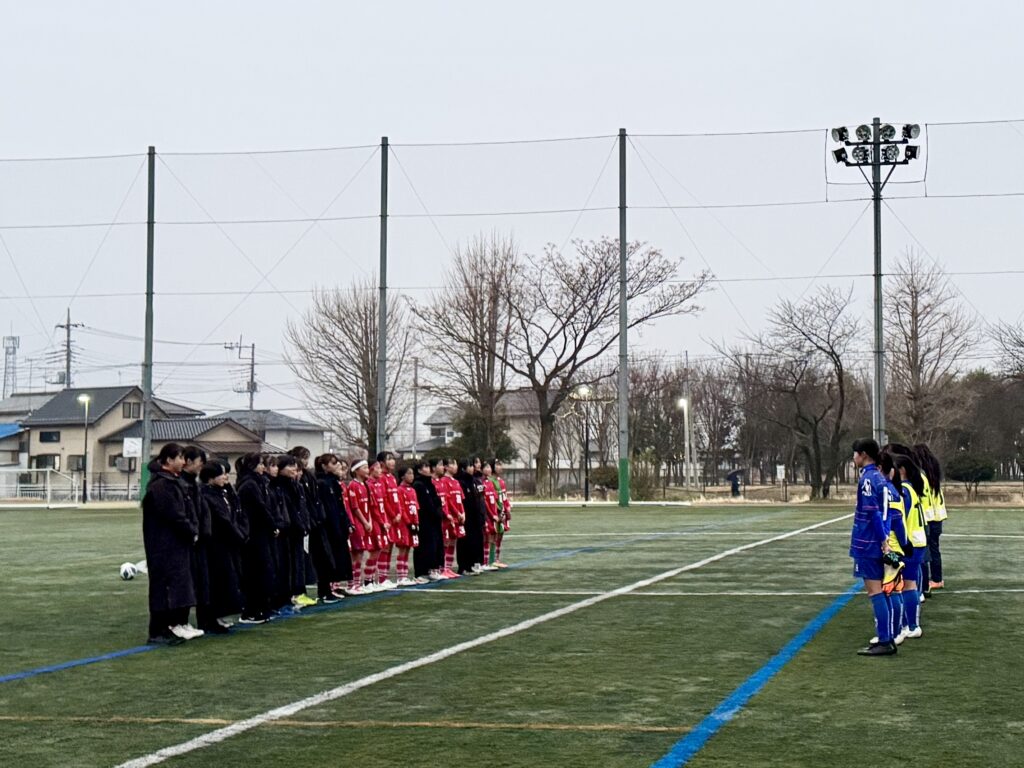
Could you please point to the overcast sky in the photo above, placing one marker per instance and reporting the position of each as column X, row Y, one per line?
column 111, row 78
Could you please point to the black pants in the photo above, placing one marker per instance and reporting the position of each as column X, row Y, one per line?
column 337, row 538
column 160, row 622
column 298, row 555
column 259, row 574
column 429, row 555
column 932, row 568
column 283, row 581
column 470, row 549
column 323, row 560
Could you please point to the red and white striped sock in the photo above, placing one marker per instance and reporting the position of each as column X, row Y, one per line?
column 357, row 570
column 449, row 557
column 383, row 565
column 487, row 550
column 497, row 547
column 403, row 564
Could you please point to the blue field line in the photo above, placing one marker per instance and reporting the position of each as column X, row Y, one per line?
column 364, row 599
column 694, row 741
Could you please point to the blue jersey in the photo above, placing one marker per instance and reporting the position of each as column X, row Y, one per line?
column 871, row 520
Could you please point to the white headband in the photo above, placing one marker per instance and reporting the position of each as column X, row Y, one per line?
column 357, row 465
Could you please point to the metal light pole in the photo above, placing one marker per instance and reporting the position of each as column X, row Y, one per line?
column 684, row 405
column 84, row 400
column 585, row 394
column 623, row 332
column 877, row 146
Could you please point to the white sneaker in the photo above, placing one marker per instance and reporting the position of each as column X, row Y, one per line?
column 900, row 637
column 386, row 585
column 922, row 598
column 353, row 591
column 422, row 580
column 915, row 633
column 369, row 589
column 434, row 576
column 490, row 567
column 180, row 632
column 225, row 623
column 477, row 568
column 407, row 582
column 195, row 632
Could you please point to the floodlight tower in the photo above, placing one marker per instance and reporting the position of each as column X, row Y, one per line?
column 11, row 344
column 877, row 146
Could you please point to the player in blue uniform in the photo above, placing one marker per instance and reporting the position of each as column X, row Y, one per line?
column 868, row 542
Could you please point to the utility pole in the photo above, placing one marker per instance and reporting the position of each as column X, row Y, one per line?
column 877, row 146
column 67, row 326
column 415, row 401
column 251, row 386
column 382, row 316
column 687, row 436
column 623, row 328
column 147, row 355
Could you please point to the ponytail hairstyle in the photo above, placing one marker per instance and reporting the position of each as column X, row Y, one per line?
column 320, row 462
column 246, row 464
column 913, row 473
column 210, row 471
column 929, row 465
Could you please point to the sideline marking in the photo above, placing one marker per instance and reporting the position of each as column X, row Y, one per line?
column 694, row 741
column 76, row 663
column 286, row 711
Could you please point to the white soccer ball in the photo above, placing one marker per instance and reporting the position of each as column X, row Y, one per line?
column 128, row 571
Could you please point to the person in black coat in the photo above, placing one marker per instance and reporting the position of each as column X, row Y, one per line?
column 321, row 553
column 470, row 548
column 281, row 602
column 292, row 500
column 329, row 472
column 429, row 557
column 259, row 556
column 195, row 460
column 169, row 533
column 223, row 552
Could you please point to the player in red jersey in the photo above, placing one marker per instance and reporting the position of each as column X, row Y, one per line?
column 448, row 519
column 378, row 492
column 491, row 513
column 457, row 529
column 393, row 512
column 407, row 529
column 362, row 535
column 504, row 511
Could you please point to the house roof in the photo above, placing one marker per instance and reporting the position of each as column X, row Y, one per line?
column 175, row 410
column 24, row 403
column 423, row 446
column 444, row 415
column 64, row 408
column 9, row 430
column 181, row 430
column 231, row 447
column 261, row 421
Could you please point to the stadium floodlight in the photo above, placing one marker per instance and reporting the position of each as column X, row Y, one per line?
column 911, row 131
column 912, row 151
column 887, row 133
column 840, row 155
column 862, row 154
column 863, row 133
column 892, row 153
column 840, row 134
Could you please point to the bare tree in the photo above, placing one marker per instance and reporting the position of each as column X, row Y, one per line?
column 803, row 357
column 332, row 350
column 927, row 333
column 564, row 309
column 716, row 417
column 471, row 320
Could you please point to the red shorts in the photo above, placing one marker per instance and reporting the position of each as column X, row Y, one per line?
column 404, row 537
column 452, row 531
column 358, row 541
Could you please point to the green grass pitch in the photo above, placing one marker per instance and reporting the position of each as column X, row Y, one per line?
column 613, row 684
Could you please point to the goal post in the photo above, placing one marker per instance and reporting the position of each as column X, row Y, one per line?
column 28, row 488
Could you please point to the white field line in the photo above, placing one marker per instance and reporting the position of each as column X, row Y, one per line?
column 288, row 710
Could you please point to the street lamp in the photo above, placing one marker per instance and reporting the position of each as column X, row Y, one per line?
column 585, row 394
column 84, row 400
column 877, row 145
column 683, row 404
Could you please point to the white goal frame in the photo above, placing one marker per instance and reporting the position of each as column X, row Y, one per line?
column 34, row 488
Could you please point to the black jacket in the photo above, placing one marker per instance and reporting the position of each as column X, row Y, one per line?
column 169, row 531
column 311, row 494
column 429, row 501
column 292, row 499
column 224, row 551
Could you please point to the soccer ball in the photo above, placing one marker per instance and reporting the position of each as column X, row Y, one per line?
column 128, row 571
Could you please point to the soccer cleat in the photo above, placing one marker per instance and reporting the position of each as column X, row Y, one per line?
column 900, row 636
column 354, row 591
column 195, row 632
column 936, row 585
column 422, row 580
column 500, row 564
column 448, row 573
column 181, row 633
column 488, row 567
column 339, row 593
column 407, row 582
column 915, row 633
column 435, row 576
column 260, row 619
column 303, row 600
column 387, row 584
column 477, row 568
column 329, row 599
column 878, row 649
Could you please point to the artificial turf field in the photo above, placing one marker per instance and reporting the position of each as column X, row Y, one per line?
column 618, row 682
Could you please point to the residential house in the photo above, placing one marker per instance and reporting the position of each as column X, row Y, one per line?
column 280, row 429
column 440, row 432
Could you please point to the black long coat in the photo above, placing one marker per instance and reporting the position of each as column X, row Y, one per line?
column 168, row 533
column 200, row 568
column 336, row 523
column 430, row 553
column 470, row 549
column 224, row 551
column 260, row 552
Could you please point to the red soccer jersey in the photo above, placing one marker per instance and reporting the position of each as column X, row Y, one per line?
column 490, row 500
column 357, row 503
column 410, row 505
column 392, row 499
column 378, row 491
column 441, row 486
column 455, row 499
column 506, row 502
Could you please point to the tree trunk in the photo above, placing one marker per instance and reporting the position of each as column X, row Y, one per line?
column 547, row 429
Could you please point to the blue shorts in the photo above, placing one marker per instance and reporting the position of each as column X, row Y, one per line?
column 868, row 568
column 912, row 565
